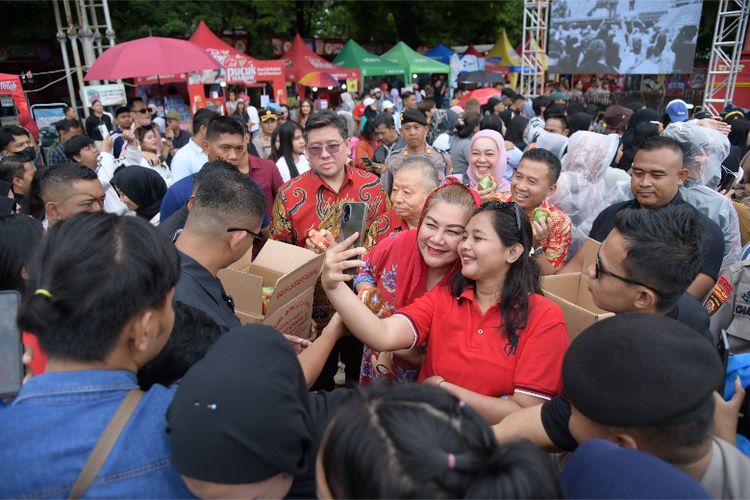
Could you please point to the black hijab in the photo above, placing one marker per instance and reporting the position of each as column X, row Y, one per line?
column 144, row 186
column 515, row 131
column 7, row 205
column 242, row 413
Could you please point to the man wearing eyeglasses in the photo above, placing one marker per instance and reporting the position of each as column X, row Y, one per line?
column 314, row 200
column 221, row 226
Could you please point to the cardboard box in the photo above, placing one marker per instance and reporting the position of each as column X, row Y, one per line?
column 570, row 292
column 292, row 270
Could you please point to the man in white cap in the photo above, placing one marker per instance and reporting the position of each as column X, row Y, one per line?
column 377, row 94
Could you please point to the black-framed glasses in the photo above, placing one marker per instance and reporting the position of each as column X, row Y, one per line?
column 251, row 233
column 144, row 110
column 500, row 205
column 599, row 269
column 332, row 149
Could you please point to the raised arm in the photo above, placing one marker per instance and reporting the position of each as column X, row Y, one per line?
column 389, row 334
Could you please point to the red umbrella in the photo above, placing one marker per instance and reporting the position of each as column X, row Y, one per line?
column 318, row 79
column 482, row 95
column 149, row 56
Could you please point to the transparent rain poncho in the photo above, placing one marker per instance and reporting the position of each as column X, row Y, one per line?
column 704, row 150
column 581, row 190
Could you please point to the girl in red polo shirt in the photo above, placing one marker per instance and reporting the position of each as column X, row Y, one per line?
column 491, row 339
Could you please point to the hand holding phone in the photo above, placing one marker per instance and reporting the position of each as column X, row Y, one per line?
column 353, row 220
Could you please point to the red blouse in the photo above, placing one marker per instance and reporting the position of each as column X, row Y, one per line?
column 466, row 348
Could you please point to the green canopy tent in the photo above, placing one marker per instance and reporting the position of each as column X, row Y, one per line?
column 353, row 55
column 413, row 62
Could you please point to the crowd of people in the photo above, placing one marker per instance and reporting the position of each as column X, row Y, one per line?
column 436, row 365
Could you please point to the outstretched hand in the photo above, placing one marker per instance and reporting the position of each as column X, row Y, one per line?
column 340, row 257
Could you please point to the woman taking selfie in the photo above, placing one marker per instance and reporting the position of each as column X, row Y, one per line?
column 406, row 266
column 492, row 340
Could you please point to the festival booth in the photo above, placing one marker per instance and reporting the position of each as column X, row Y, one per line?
column 13, row 103
column 413, row 62
column 440, row 53
column 472, row 51
column 353, row 55
column 503, row 54
column 236, row 69
column 300, row 60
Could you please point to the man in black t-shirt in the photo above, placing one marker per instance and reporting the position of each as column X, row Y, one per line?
column 656, row 177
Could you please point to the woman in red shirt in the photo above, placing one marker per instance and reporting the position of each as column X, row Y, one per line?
column 492, row 340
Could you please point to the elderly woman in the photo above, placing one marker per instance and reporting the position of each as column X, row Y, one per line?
column 413, row 180
column 704, row 150
column 581, row 189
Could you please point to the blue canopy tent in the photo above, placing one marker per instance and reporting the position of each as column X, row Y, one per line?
column 440, row 53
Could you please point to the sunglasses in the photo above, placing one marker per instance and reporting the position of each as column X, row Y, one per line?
column 501, row 205
column 142, row 111
column 251, row 233
column 332, row 149
column 599, row 269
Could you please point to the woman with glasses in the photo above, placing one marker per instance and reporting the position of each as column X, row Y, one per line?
column 149, row 142
column 292, row 160
column 491, row 339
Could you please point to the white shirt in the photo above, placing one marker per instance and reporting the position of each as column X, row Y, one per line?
column 302, row 167
column 162, row 169
column 189, row 159
column 106, row 166
column 252, row 112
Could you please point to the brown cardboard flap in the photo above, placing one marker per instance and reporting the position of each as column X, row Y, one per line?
column 589, row 248
column 292, row 318
column 283, row 257
column 245, row 289
column 569, row 291
column 562, row 285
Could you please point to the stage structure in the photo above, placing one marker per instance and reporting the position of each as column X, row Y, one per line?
column 729, row 36
column 534, row 46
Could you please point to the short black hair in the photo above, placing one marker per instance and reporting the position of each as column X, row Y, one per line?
column 517, row 97
column 541, row 155
column 12, row 167
column 563, row 120
column 664, row 249
column 540, row 102
column 490, row 122
column 662, row 142
column 66, row 124
column 226, row 195
column 426, row 105
column 223, row 125
column 19, row 236
column 193, row 334
column 384, row 119
column 406, row 94
column 201, row 118
column 554, row 109
column 8, row 132
column 75, row 144
column 101, row 270
column 326, row 118
column 209, row 167
column 62, row 177
column 239, row 119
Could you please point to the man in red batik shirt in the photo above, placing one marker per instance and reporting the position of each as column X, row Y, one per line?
column 314, row 200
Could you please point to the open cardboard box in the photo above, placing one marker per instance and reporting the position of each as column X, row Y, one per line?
column 570, row 292
column 292, row 270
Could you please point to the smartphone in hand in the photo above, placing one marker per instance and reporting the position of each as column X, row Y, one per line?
column 353, row 220
column 11, row 347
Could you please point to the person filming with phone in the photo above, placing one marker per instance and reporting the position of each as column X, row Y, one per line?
column 314, row 201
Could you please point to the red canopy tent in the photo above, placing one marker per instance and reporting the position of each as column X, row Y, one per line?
column 238, row 67
column 11, row 85
column 300, row 60
column 472, row 51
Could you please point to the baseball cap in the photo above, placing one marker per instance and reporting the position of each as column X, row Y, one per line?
column 387, row 105
column 174, row 115
column 616, row 116
column 369, row 101
column 559, row 95
column 677, row 109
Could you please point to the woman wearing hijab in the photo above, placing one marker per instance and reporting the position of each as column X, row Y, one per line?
column 141, row 189
column 517, row 131
column 488, row 156
column 407, row 265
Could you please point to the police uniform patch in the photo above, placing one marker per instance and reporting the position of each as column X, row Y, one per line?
column 719, row 295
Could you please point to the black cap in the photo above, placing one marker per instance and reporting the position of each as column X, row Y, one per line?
column 638, row 369
column 413, row 116
column 76, row 144
column 121, row 110
column 241, row 414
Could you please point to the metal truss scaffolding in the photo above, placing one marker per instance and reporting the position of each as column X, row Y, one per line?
column 729, row 36
column 534, row 46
